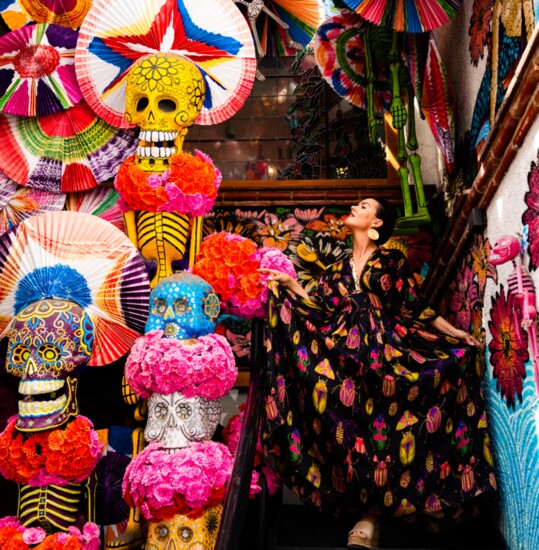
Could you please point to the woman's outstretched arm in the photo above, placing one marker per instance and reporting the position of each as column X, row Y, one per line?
column 441, row 325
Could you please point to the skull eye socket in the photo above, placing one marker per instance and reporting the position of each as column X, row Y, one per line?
column 159, row 307
column 49, row 353
column 166, row 105
column 142, row 103
column 161, row 411
column 181, row 306
column 20, row 354
column 184, row 411
column 161, row 532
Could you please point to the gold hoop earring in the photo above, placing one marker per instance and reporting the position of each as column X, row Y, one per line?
column 373, row 234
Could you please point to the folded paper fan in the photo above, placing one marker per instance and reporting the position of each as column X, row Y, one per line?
column 12, row 16
column 68, row 13
column 101, row 202
column 287, row 25
column 18, row 203
column 340, row 54
column 406, row 15
column 37, row 71
column 78, row 257
column 213, row 34
column 72, row 150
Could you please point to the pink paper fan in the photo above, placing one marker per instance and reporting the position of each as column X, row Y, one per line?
column 213, row 34
column 37, row 71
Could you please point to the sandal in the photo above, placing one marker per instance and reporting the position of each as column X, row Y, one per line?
column 365, row 533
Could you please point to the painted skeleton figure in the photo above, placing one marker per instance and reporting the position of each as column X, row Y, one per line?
column 164, row 96
column 50, row 342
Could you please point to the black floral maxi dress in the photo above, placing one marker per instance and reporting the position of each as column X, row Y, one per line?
column 368, row 408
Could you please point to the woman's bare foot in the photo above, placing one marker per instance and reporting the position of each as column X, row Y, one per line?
column 365, row 533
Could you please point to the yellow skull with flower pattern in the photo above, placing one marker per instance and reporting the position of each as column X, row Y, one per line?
column 182, row 532
column 164, row 96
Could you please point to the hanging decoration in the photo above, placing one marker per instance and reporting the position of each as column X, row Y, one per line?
column 406, row 15
column 217, row 39
column 37, row 74
column 68, row 13
column 101, row 202
column 72, row 150
column 18, row 203
column 341, row 56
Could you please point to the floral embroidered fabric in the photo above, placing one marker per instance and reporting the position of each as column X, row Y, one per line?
column 367, row 407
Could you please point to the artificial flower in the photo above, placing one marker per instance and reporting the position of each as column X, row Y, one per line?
column 189, row 186
column 230, row 264
column 15, row 536
column 205, row 368
column 508, row 348
column 58, row 456
column 531, row 214
column 188, row 481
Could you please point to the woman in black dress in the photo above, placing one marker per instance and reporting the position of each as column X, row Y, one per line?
column 373, row 404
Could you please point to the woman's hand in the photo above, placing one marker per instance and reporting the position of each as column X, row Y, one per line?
column 286, row 280
column 441, row 325
column 467, row 338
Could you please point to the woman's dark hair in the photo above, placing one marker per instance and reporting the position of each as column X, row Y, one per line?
column 388, row 215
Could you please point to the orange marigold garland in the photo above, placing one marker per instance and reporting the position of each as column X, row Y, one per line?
column 53, row 457
column 189, row 186
column 230, row 263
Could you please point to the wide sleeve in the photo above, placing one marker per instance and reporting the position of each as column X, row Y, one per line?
column 397, row 288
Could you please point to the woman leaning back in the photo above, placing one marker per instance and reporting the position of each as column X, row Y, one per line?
column 373, row 405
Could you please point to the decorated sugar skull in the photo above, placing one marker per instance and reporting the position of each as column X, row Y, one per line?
column 164, row 96
column 175, row 421
column 50, row 342
column 183, row 306
column 505, row 249
column 183, row 532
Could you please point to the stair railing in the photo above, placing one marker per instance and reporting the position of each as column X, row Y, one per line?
column 235, row 505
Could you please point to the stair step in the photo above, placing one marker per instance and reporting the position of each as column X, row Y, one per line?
column 298, row 527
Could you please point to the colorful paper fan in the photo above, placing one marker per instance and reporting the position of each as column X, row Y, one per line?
column 438, row 104
column 37, row 74
column 72, row 150
column 12, row 16
column 18, row 203
column 68, row 13
column 213, row 34
column 77, row 256
column 406, row 15
column 101, row 202
column 302, row 18
column 339, row 49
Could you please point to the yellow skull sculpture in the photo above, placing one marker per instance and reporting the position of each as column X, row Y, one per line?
column 164, row 96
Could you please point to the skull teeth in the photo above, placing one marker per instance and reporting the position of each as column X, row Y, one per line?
column 155, row 136
column 40, row 408
column 156, row 152
column 38, row 387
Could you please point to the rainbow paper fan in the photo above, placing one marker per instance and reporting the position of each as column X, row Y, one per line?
column 18, row 203
column 340, row 54
column 287, row 25
column 78, row 257
column 101, row 202
column 68, row 13
column 37, row 74
column 213, row 34
column 12, row 16
column 406, row 15
column 72, row 150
